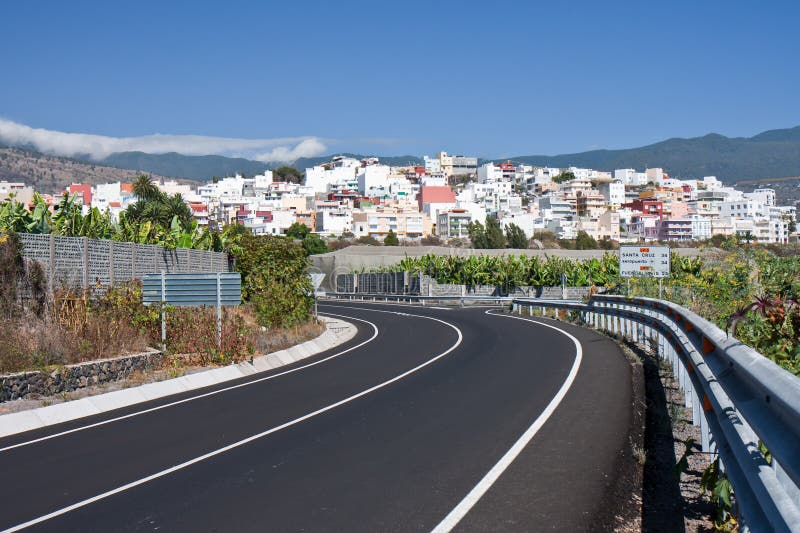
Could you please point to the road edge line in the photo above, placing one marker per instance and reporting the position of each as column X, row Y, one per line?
column 478, row 491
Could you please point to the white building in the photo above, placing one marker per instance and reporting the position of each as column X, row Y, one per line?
column 526, row 222
column 745, row 208
column 765, row 196
column 334, row 221
column 613, row 192
column 281, row 220
column 451, row 165
column 432, row 165
column 340, row 170
column 656, row 175
column 491, row 173
column 373, row 180
column 629, row 176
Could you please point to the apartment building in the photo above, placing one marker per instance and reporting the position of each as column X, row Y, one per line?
column 453, row 224
column 377, row 223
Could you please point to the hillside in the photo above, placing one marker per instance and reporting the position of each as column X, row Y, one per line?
column 771, row 154
column 198, row 167
column 204, row 167
column 51, row 175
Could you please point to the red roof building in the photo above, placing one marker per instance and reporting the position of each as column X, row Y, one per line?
column 648, row 207
column 84, row 192
column 436, row 194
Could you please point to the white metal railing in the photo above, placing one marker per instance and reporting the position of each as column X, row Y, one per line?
column 739, row 398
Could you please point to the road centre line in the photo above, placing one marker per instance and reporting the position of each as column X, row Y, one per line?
column 468, row 502
column 204, row 395
column 247, row 440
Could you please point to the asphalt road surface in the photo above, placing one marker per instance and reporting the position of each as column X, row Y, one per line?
column 429, row 419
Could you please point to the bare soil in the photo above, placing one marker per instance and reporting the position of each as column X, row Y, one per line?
column 671, row 503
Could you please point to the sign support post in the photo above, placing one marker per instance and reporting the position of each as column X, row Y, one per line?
column 219, row 313
column 163, row 312
column 190, row 289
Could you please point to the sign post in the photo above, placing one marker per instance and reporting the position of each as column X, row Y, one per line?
column 316, row 280
column 163, row 318
column 192, row 290
column 644, row 262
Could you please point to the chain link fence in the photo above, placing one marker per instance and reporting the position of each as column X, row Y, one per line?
column 80, row 262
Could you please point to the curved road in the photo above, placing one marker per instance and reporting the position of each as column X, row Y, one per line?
column 462, row 419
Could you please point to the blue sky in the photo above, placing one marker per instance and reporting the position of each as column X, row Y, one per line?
column 492, row 79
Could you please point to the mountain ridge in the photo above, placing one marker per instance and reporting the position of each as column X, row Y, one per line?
column 770, row 154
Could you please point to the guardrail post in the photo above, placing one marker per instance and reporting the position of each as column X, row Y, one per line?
column 705, row 437
column 687, row 391
column 696, row 413
column 682, row 376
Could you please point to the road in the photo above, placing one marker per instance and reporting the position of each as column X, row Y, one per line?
column 429, row 418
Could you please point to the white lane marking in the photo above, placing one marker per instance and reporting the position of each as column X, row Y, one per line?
column 469, row 501
column 204, row 395
column 244, row 441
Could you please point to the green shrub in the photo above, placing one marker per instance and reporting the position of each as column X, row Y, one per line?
column 275, row 279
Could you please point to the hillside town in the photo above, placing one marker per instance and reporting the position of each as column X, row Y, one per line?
column 365, row 198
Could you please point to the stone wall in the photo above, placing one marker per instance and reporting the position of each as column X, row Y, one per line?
column 72, row 377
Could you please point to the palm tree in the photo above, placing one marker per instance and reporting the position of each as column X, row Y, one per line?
column 175, row 206
column 748, row 237
column 145, row 190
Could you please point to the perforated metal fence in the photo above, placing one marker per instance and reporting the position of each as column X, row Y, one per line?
column 413, row 284
column 79, row 262
column 378, row 283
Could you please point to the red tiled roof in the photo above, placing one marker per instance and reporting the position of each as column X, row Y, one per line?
column 436, row 194
column 85, row 191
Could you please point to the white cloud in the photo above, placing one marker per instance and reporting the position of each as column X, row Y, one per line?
column 305, row 148
column 100, row 146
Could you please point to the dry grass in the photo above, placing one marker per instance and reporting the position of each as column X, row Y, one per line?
column 32, row 342
column 274, row 339
column 41, row 329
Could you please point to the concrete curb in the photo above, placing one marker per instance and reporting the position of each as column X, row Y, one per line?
column 336, row 332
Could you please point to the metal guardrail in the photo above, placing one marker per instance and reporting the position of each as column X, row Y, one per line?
column 422, row 300
column 739, row 398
